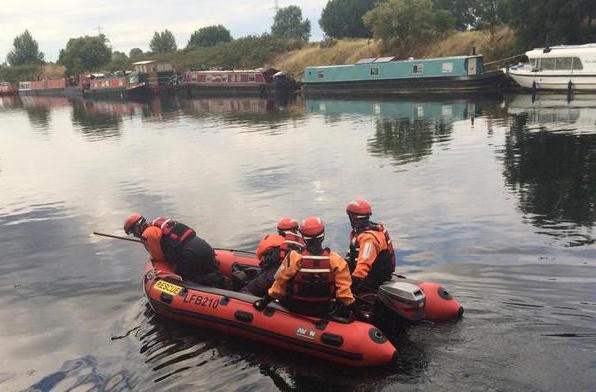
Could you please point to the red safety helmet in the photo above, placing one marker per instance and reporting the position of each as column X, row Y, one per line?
column 268, row 242
column 312, row 227
column 359, row 209
column 133, row 221
column 286, row 223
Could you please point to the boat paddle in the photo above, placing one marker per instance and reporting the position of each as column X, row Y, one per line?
column 139, row 241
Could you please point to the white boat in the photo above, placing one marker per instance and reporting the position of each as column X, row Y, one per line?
column 554, row 68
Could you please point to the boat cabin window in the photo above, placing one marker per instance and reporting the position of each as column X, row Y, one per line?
column 252, row 77
column 320, row 75
column 547, row 64
column 557, row 63
column 418, row 68
column 374, row 71
column 447, row 67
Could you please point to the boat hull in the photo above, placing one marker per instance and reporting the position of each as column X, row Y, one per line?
column 353, row 343
column 553, row 81
column 489, row 81
column 233, row 90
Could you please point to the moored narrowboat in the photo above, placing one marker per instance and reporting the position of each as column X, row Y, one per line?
column 120, row 86
column 386, row 75
column 261, row 81
column 6, row 88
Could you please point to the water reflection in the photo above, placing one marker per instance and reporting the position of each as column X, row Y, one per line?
column 554, row 112
column 99, row 120
column 270, row 112
column 405, row 130
column 81, row 374
column 39, row 108
column 550, row 161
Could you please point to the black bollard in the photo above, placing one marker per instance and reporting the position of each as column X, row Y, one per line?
column 534, row 91
column 569, row 91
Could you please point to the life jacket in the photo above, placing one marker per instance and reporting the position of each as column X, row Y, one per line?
column 314, row 282
column 173, row 236
column 386, row 255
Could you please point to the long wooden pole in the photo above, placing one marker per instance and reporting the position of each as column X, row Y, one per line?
column 139, row 241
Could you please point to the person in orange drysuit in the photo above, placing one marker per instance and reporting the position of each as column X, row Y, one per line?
column 371, row 256
column 171, row 241
column 309, row 281
column 270, row 252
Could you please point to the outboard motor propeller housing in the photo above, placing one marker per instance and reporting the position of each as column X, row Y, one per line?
column 404, row 299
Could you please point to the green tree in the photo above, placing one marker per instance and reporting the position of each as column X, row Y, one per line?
column 343, row 18
column 25, row 51
column 119, row 60
column 85, row 54
column 209, row 36
column 464, row 11
column 402, row 24
column 288, row 24
column 135, row 53
column 163, row 42
column 552, row 21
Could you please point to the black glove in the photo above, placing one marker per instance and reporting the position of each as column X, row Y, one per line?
column 262, row 303
column 342, row 310
column 356, row 282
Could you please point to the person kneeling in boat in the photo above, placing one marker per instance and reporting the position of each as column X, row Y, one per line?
column 309, row 281
column 174, row 242
column 371, row 256
column 270, row 252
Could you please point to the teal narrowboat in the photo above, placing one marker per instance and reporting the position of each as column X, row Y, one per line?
column 385, row 75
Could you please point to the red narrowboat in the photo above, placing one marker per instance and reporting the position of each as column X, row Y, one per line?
column 6, row 88
column 261, row 81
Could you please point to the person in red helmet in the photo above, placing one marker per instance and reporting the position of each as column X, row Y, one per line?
column 309, row 281
column 270, row 252
column 288, row 228
column 371, row 255
column 168, row 240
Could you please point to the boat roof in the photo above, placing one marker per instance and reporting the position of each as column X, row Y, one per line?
column 376, row 60
column 259, row 70
column 149, row 62
column 563, row 49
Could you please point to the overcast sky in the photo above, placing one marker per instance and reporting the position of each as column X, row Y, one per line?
column 131, row 23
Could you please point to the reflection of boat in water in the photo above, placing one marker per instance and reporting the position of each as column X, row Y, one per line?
column 119, row 108
column 230, row 105
column 48, row 102
column 410, row 109
column 554, row 109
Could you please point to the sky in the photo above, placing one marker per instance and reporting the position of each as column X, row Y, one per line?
column 131, row 23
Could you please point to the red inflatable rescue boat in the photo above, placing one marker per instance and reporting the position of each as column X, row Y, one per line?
column 352, row 343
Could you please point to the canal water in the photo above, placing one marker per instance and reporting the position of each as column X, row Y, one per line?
column 494, row 197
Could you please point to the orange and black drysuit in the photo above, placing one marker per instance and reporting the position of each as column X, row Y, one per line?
column 307, row 283
column 371, row 257
column 177, row 244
